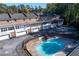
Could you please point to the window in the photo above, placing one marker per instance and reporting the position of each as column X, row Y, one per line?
column 17, row 27
column 22, row 26
column 3, row 29
column 10, row 28
column 34, row 28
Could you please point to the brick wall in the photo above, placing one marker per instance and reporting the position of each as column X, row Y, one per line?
column 4, row 22
column 18, row 21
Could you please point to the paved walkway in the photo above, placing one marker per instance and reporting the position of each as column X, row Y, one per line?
column 8, row 47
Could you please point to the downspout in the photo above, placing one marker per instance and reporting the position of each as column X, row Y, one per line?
column 14, row 28
column 12, row 24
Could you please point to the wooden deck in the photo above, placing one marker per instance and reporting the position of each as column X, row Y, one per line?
column 75, row 52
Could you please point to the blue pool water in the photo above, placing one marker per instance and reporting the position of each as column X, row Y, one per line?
column 50, row 47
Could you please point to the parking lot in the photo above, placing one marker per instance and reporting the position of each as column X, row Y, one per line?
column 8, row 47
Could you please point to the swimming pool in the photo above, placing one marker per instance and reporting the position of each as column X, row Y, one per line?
column 50, row 46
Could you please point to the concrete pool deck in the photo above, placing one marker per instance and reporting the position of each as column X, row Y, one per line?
column 30, row 46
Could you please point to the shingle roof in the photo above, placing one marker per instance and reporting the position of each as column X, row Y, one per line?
column 31, row 15
column 45, row 14
column 13, row 16
column 4, row 16
column 17, row 15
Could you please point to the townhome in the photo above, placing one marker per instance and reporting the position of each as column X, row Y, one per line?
column 18, row 24
column 5, row 26
column 19, row 21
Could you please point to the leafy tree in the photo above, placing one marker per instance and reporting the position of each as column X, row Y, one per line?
column 51, row 8
column 3, row 8
column 70, row 11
